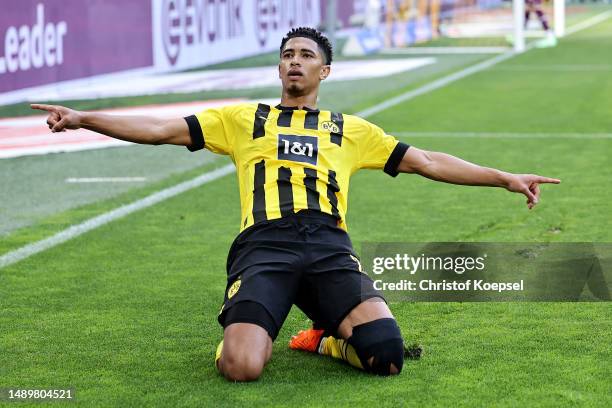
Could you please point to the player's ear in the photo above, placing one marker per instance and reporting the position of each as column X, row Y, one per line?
column 279, row 70
column 325, row 71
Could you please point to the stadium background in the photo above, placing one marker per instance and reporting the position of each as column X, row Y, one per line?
column 125, row 313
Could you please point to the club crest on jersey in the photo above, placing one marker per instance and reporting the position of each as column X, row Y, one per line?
column 330, row 126
column 233, row 289
column 303, row 149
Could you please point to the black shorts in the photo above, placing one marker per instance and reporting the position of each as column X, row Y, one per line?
column 303, row 259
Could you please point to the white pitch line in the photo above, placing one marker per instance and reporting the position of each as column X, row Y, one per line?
column 588, row 23
column 437, row 84
column 449, row 79
column 555, row 68
column 443, row 50
column 95, row 222
column 503, row 135
column 76, row 230
column 105, row 179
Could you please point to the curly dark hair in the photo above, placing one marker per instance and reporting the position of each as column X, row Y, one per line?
column 315, row 35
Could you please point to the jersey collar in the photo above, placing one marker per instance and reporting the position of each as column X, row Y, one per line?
column 293, row 108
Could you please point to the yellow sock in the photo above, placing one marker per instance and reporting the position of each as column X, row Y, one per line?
column 339, row 348
column 218, row 354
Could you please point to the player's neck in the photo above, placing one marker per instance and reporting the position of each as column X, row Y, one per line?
column 309, row 101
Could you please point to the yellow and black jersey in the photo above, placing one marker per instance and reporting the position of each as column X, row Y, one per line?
column 290, row 159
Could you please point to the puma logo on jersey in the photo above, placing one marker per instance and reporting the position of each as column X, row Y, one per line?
column 298, row 148
column 354, row 258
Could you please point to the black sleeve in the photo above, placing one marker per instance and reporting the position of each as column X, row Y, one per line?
column 395, row 158
column 195, row 131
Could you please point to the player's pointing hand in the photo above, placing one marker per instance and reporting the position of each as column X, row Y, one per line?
column 529, row 185
column 60, row 118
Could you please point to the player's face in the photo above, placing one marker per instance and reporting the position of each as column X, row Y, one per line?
column 302, row 66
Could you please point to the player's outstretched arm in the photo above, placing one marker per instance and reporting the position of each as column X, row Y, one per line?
column 137, row 129
column 449, row 169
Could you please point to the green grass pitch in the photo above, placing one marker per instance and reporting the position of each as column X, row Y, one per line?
column 126, row 314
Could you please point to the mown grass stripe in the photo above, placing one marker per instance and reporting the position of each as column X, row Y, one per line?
column 95, row 222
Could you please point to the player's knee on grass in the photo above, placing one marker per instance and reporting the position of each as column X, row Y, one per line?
column 246, row 349
column 242, row 365
column 379, row 346
column 241, row 369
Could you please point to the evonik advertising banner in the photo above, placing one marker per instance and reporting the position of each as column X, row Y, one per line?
column 54, row 47
column 193, row 33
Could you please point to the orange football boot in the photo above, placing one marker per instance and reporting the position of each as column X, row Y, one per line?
column 307, row 340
